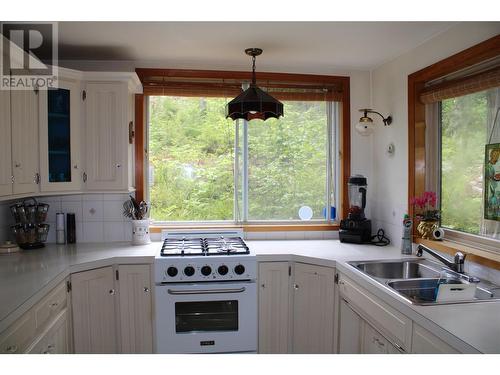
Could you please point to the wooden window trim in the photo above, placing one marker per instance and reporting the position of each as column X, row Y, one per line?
column 483, row 51
column 310, row 79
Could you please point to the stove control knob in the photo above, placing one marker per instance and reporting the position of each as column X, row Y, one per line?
column 222, row 270
column 189, row 271
column 206, row 270
column 239, row 269
column 172, row 271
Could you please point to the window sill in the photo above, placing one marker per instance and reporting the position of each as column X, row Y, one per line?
column 252, row 227
column 476, row 255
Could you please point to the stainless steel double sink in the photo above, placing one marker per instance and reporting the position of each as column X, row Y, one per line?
column 417, row 280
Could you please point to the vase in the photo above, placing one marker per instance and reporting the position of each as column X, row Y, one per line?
column 140, row 232
column 427, row 227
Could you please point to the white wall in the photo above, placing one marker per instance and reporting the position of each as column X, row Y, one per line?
column 390, row 96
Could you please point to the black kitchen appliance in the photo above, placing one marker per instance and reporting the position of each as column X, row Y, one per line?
column 356, row 228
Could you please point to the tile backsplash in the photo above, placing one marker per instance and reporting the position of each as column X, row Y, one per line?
column 98, row 217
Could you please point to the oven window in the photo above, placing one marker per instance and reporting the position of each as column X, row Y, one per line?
column 206, row 316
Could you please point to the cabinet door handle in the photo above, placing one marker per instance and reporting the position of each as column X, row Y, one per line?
column 263, row 285
column 84, row 176
column 146, row 289
column 112, row 292
column 17, row 165
column 295, row 286
column 54, row 304
column 11, row 349
column 36, row 179
column 118, row 165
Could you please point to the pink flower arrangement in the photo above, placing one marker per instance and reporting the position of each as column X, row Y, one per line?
column 426, row 203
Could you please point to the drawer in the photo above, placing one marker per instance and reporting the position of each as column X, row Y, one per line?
column 55, row 339
column 50, row 305
column 18, row 336
column 393, row 324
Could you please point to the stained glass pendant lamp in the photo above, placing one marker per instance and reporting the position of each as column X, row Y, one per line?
column 254, row 103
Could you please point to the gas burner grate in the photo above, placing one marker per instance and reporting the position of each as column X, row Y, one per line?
column 204, row 246
column 226, row 246
column 183, row 246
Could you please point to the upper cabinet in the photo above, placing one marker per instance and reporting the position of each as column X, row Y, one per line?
column 5, row 145
column 109, row 115
column 76, row 138
column 60, row 138
column 24, row 128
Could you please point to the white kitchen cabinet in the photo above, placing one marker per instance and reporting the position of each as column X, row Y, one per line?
column 313, row 308
column 5, row 144
column 357, row 336
column 43, row 328
column 56, row 339
column 274, row 307
column 94, row 315
column 109, row 154
column 60, row 137
column 349, row 330
column 296, row 308
column 136, row 320
column 395, row 326
column 424, row 342
column 24, row 119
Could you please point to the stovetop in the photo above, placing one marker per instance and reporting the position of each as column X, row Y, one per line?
column 204, row 246
column 204, row 258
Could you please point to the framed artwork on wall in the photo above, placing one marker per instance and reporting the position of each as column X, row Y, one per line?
column 492, row 182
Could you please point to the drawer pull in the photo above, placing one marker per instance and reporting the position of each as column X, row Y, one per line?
column 112, row 292
column 11, row 349
column 54, row 304
column 146, row 289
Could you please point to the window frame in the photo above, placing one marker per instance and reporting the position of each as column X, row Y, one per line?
column 332, row 131
column 417, row 81
column 343, row 142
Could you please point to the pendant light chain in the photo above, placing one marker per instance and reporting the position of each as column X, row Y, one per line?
column 254, row 79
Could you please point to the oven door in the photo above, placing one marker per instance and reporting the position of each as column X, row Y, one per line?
column 206, row 317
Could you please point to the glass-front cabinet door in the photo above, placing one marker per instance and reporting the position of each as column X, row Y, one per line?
column 60, row 168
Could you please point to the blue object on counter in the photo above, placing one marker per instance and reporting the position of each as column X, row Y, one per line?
column 333, row 212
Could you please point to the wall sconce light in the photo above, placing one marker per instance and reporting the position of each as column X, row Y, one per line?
column 365, row 124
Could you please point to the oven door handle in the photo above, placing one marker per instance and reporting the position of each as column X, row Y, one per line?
column 206, row 291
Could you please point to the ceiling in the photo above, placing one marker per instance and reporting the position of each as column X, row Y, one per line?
column 288, row 46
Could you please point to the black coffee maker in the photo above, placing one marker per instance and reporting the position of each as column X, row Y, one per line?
column 356, row 228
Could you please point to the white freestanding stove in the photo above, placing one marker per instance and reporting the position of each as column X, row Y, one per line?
column 206, row 295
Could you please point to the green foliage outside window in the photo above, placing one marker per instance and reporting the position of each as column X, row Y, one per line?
column 464, row 128
column 191, row 154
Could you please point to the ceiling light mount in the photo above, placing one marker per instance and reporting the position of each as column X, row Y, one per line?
column 254, row 103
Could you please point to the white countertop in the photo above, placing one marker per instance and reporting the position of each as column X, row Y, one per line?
column 27, row 276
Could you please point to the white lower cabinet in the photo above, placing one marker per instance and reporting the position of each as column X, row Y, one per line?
column 93, row 304
column 313, row 309
column 112, row 310
column 274, row 307
column 357, row 336
column 136, row 319
column 424, row 342
column 45, row 328
column 56, row 339
column 296, row 308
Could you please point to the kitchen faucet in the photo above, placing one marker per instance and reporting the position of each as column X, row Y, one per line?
column 458, row 261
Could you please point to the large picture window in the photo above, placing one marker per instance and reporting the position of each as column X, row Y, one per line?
column 204, row 167
column 466, row 191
